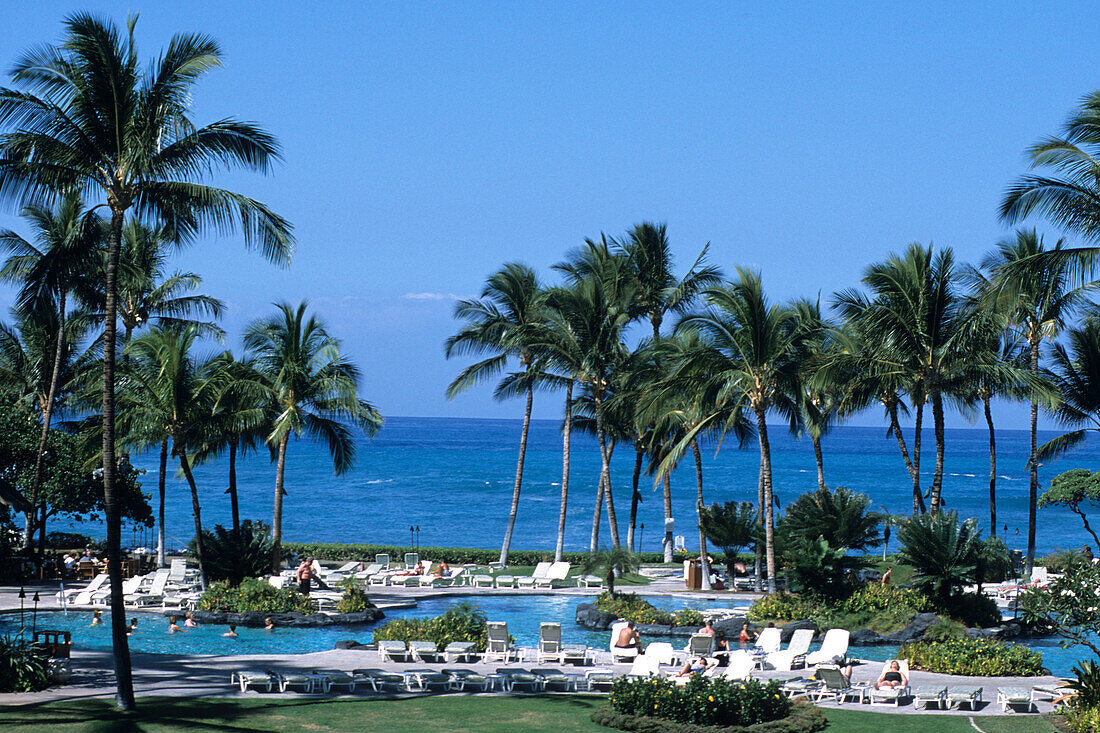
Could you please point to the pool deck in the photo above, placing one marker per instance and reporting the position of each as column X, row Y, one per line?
column 208, row 675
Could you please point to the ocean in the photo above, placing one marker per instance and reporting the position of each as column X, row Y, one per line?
column 453, row 478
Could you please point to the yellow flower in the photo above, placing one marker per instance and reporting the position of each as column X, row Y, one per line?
column 711, row 698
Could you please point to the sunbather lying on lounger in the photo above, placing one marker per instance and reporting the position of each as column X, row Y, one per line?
column 892, row 677
column 696, row 666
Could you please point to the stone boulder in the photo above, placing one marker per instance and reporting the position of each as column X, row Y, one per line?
column 593, row 618
column 352, row 644
column 914, row 631
column 730, row 626
column 1009, row 630
column 787, row 630
column 255, row 619
column 864, row 637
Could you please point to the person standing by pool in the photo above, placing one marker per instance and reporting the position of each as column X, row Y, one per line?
column 232, row 633
column 303, row 574
column 173, row 627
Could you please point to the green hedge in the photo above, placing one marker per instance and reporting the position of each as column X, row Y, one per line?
column 803, row 718
column 462, row 621
column 634, row 608
column 974, row 658
column 453, row 555
column 253, row 595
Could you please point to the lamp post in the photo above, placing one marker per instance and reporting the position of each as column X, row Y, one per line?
column 22, row 597
column 34, row 617
column 412, row 536
column 641, row 532
column 418, row 538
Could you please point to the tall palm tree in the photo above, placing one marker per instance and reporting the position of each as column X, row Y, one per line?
column 90, row 117
column 500, row 324
column 1037, row 299
column 1076, row 372
column 166, row 392
column 819, row 400
column 48, row 272
column 313, row 388
column 751, row 359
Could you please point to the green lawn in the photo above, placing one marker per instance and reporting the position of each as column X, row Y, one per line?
column 450, row 714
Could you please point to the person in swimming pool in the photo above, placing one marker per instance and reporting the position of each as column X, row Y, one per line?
column 173, row 627
column 97, row 617
column 189, row 620
column 232, row 633
column 269, row 625
column 133, row 627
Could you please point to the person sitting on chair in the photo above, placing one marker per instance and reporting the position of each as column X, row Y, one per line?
column 629, row 638
column 892, row 677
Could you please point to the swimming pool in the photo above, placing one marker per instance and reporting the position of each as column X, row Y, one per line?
column 523, row 614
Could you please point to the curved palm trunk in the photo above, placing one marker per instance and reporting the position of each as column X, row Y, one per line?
column 124, row 684
column 560, row 546
column 668, row 515
column 992, row 467
column 703, row 559
column 1033, row 465
column 635, row 497
column 816, row 440
column 277, row 516
column 186, row 466
column 937, row 477
column 918, row 424
column 605, row 473
column 597, row 514
column 160, row 504
column 914, row 475
column 233, row 487
column 519, row 478
column 47, row 417
column 769, row 516
column 758, row 550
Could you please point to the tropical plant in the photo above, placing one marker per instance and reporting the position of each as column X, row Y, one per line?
column 48, row 272
column 24, row 665
column 354, row 598
column 1037, row 295
column 236, row 554
column 313, row 388
column 500, row 324
column 1067, row 606
column 731, row 526
column 749, row 354
column 942, row 549
column 1071, row 490
column 820, row 569
column 840, row 517
column 973, row 658
column 253, row 594
column 89, row 117
column 1086, row 684
column 611, row 563
column 702, row 701
column 463, row 621
column 1076, row 375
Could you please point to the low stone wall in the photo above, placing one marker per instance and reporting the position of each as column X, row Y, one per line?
column 255, row 619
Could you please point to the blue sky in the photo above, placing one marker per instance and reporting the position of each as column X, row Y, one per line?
column 426, row 144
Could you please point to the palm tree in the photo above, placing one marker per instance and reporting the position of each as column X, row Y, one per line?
column 1076, row 374
column 617, row 561
column 313, row 388
column 500, row 324
column 819, row 400
column 168, row 393
column 1037, row 300
column 943, row 550
column 751, row 362
column 91, row 118
column 48, row 272
column 841, row 517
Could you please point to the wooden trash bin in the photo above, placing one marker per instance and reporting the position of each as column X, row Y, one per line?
column 57, row 643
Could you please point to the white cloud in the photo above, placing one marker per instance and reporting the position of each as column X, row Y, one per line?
column 430, row 296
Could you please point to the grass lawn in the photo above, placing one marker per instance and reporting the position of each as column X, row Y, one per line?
column 451, row 714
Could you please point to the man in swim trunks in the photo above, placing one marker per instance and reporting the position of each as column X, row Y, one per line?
column 629, row 638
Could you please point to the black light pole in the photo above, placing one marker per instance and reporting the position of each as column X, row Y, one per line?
column 22, row 597
column 418, row 538
column 34, row 617
column 641, row 531
column 412, row 536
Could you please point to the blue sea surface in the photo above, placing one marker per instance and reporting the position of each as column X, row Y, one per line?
column 453, row 479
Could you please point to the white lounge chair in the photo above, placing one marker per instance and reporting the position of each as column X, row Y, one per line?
column 1009, row 696
column 835, row 685
column 795, row 653
column 769, row 641
column 557, row 573
column 412, row 559
column 393, row 651
column 499, row 644
column 539, row 573
column 834, row 648
column 459, row 650
column 177, row 577
column 506, row 581
column 482, row 581
column 253, row 679
column 740, row 666
column 424, row 651
column 958, row 696
column 590, row 581
column 928, row 694
column 663, row 652
column 372, row 569
column 700, row 645
column 644, row 666
column 383, row 560
column 91, row 588
column 550, row 643
column 154, row 594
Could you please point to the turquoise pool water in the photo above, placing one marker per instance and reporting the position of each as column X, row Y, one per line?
column 523, row 614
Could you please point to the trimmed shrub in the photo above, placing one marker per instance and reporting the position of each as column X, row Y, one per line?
column 972, row 609
column 973, row 657
column 24, row 666
column 635, row 608
column 803, row 718
column 784, row 607
column 253, row 595
column 462, row 621
column 687, row 617
column 872, row 598
column 355, row 596
column 702, row 701
column 453, row 555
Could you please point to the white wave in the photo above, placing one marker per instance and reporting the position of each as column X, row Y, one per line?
column 554, row 483
column 379, row 481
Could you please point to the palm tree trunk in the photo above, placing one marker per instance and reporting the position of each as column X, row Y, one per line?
column 668, row 516
column 914, row 475
column 233, row 487
column 992, row 468
column 124, row 683
column 186, row 466
column 917, row 434
column 937, row 477
column 816, row 440
column 699, row 505
column 597, row 514
column 769, row 516
column 519, row 477
column 568, row 428
column 635, row 497
column 47, row 417
column 758, row 551
column 277, row 516
column 1033, row 464
column 160, row 506
column 605, row 474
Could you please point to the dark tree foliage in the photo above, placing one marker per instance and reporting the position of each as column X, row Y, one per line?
column 731, row 526
column 234, row 556
column 840, row 517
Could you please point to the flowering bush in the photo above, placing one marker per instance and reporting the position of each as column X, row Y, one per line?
column 253, row 595
column 462, row 621
column 784, row 607
column 633, row 607
column 974, row 657
column 702, row 701
column 354, row 598
column 876, row 597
